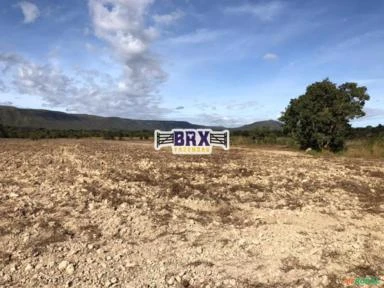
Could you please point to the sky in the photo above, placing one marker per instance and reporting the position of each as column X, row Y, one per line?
column 216, row 62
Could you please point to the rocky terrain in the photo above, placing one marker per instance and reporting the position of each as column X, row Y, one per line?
column 93, row 213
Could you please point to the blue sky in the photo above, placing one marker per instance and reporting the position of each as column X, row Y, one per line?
column 208, row 62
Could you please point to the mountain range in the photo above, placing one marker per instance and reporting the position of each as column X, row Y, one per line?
column 38, row 118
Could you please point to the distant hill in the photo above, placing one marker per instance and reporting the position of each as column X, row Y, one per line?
column 270, row 124
column 37, row 118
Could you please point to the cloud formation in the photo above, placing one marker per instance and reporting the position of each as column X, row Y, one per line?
column 270, row 56
column 81, row 91
column 30, row 11
column 266, row 11
column 168, row 19
column 199, row 36
column 121, row 23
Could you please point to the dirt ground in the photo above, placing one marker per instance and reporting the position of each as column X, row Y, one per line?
column 94, row 213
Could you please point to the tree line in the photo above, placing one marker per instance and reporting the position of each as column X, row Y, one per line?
column 43, row 133
column 256, row 135
column 319, row 119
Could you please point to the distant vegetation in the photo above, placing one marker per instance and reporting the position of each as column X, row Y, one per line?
column 42, row 133
column 319, row 120
column 361, row 142
column 262, row 136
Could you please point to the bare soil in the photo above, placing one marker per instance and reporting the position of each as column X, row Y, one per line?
column 94, row 213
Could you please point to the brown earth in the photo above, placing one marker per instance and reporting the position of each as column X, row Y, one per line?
column 93, row 213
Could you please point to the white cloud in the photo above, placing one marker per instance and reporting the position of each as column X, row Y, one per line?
column 168, row 19
column 30, row 11
column 199, row 36
column 134, row 93
column 263, row 11
column 82, row 91
column 121, row 23
column 270, row 56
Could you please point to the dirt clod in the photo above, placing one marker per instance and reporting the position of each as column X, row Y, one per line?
column 93, row 213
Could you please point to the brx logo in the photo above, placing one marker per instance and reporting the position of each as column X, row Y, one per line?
column 191, row 141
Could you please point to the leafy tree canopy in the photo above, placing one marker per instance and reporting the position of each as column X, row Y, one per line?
column 319, row 119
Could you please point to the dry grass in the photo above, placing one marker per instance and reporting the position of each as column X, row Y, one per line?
column 369, row 148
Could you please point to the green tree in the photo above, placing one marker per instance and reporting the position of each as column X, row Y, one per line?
column 319, row 119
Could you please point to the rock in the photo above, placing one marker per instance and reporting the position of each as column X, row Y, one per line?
column 218, row 284
column 130, row 264
column 100, row 275
column 73, row 252
column 339, row 228
column 28, row 267
column 70, row 269
column 7, row 278
column 13, row 268
column 260, row 195
column 50, row 264
column 182, row 273
column 171, row 280
column 282, row 202
column 63, row 264
column 325, row 281
column 308, row 150
column 113, row 280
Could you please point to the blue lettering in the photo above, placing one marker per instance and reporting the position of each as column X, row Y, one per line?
column 190, row 138
column 178, row 138
column 203, row 138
